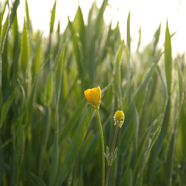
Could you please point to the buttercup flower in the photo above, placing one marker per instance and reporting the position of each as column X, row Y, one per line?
column 119, row 118
column 93, row 96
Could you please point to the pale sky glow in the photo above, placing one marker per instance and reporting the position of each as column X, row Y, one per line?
column 145, row 13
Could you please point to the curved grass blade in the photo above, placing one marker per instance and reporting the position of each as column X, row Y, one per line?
column 75, row 145
column 159, row 142
column 154, row 138
column 6, row 107
column 139, row 96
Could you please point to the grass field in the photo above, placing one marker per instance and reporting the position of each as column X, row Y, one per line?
column 49, row 134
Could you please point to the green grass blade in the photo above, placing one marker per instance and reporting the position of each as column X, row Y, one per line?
column 28, row 20
column 4, row 34
column 37, row 59
column 58, row 77
column 140, row 93
column 181, row 88
column 127, row 178
column 49, row 89
column 139, row 41
column 136, row 122
column 55, row 158
column 13, row 11
column 77, row 52
column 16, row 52
column 73, row 119
column 154, row 139
column 38, row 180
column 52, row 19
column 6, row 107
column 157, row 147
column 9, row 22
column 2, row 11
column 168, row 59
column 128, row 33
column 117, row 76
column 5, row 67
column 24, row 50
column 139, row 96
column 2, row 162
column 156, row 39
column 75, row 145
column 45, row 135
column 99, row 19
column 117, row 67
column 79, row 27
column 169, row 163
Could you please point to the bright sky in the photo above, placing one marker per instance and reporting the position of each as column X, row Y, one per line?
column 145, row 13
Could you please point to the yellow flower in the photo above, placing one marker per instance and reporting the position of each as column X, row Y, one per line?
column 119, row 118
column 93, row 96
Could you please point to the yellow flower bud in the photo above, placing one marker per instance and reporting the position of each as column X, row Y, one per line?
column 93, row 96
column 119, row 118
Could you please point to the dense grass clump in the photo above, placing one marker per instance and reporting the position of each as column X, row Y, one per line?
column 48, row 132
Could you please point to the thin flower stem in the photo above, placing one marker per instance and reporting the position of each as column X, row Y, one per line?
column 102, row 145
column 115, row 136
column 113, row 146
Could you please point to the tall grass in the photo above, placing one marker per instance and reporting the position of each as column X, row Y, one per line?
column 48, row 134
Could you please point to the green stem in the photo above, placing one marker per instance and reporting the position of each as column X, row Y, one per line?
column 113, row 146
column 102, row 145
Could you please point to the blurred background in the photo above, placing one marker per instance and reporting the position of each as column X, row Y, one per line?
column 144, row 13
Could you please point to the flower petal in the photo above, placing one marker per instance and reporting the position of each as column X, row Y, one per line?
column 87, row 95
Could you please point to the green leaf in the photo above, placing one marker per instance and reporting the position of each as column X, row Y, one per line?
column 6, row 107
column 170, row 160
column 49, row 89
column 159, row 142
column 2, row 11
column 73, row 119
column 181, row 88
column 4, row 71
column 156, row 38
column 154, row 138
column 37, row 59
column 55, row 159
column 31, row 98
column 99, row 20
column 38, row 180
column 2, row 162
column 4, row 34
column 139, row 41
column 79, row 27
column 59, row 72
column 16, row 51
column 28, row 20
column 128, row 33
column 52, row 19
column 118, row 61
column 77, row 51
column 75, row 145
column 168, row 59
column 13, row 11
column 24, row 50
column 139, row 96
column 136, row 122
column 127, row 178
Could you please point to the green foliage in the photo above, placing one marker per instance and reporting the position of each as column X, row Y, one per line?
column 48, row 132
